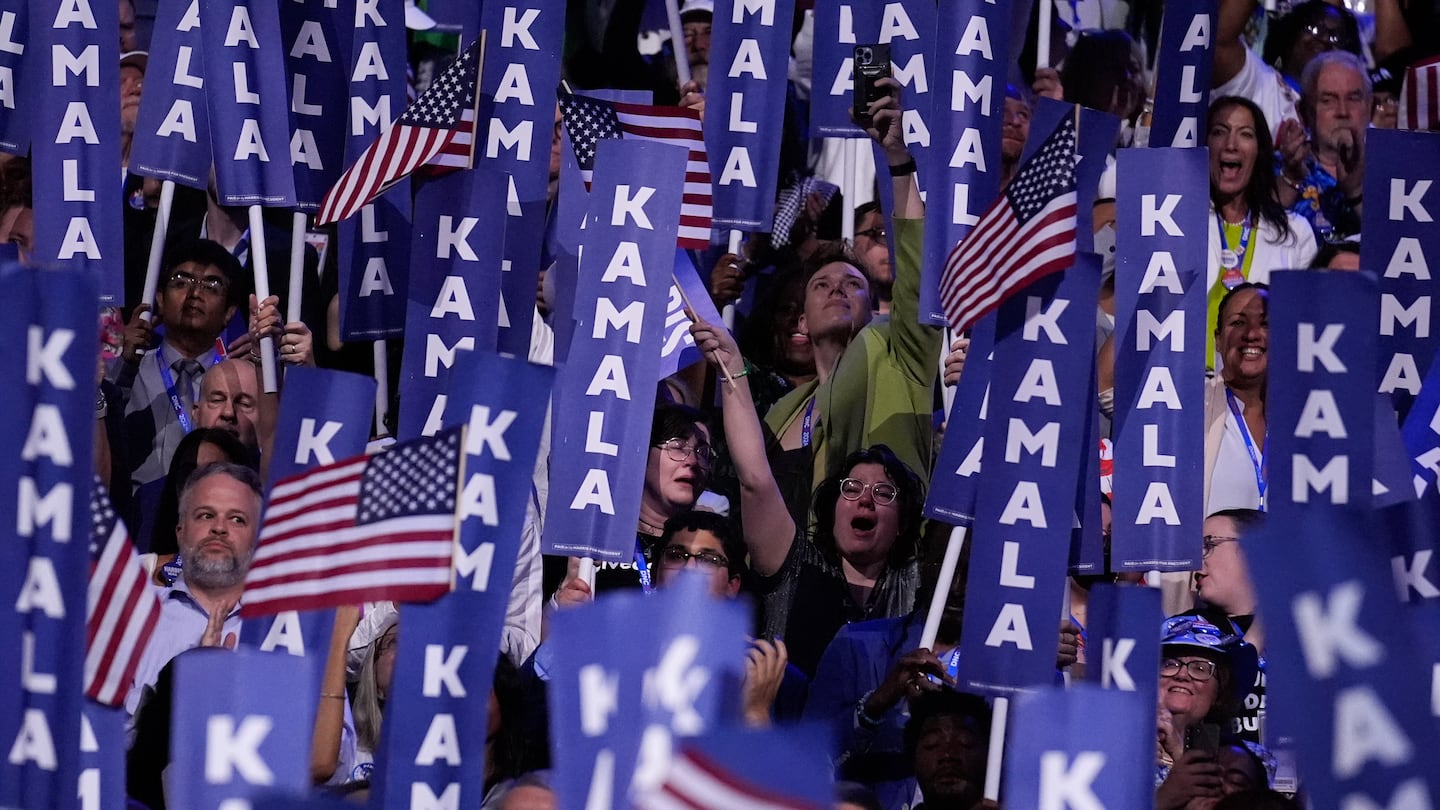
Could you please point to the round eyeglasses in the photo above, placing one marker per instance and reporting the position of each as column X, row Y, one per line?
column 852, row 488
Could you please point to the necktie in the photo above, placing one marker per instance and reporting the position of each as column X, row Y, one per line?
column 187, row 377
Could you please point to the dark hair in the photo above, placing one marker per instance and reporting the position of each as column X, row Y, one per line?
column 510, row 749
column 1237, row 743
column 1329, row 250
column 15, row 191
column 826, row 254
column 1245, row 519
column 208, row 253
column 1286, row 30
column 182, row 465
column 675, row 421
column 1259, row 286
column 1258, row 799
column 1260, row 193
column 757, row 334
column 946, row 703
column 909, row 500
column 701, row 520
column 1100, row 63
column 865, row 208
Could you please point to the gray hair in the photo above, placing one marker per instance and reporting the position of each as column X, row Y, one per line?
column 1311, row 77
column 238, row 472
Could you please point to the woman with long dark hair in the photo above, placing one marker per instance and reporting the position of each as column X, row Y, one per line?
column 1253, row 234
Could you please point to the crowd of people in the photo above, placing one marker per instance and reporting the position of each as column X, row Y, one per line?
column 800, row 485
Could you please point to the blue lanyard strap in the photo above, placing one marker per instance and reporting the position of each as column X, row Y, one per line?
column 642, row 567
column 172, row 393
column 806, row 424
column 1257, row 459
column 1245, row 230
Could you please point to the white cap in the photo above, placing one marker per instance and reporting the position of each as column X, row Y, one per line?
column 697, row 6
column 416, row 19
column 139, row 59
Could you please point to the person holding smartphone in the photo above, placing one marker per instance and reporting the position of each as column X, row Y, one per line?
column 1205, row 671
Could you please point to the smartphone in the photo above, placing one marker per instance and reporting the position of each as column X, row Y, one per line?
column 872, row 63
column 1205, row 737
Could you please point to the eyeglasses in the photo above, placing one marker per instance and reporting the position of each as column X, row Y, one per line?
column 1333, row 36
column 678, row 557
column 1210, row 541
column 209, row 284
column 677, row 450
column 852, row 488
column 875, row 234
column 1199, row 668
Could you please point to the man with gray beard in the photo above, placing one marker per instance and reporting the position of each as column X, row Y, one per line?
column 219, row 520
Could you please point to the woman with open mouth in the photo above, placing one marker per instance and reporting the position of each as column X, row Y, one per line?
column 1253, row 234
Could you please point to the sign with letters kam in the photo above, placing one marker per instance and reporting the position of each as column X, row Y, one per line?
column 454, row 295
column 172, row 130
column 249, row 107
column 1182, row 73
column 1076, row 748
column 1122, row 642
column 245, row 728
column 1402, row 245
column 908, row 27
column 971, row 47
column 72, row 81
column 605, row 397
column 1163, row 211
column 1025, row 507
column 1342, row 653
column 618, row 711
column 45, row 483
column 375, row 246
column 324, row 417
column 517, row 106
column 750, row 49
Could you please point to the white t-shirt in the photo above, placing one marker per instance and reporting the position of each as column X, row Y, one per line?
column 1265, row 86
column 1232, row 483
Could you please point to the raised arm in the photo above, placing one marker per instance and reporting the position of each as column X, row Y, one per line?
column 769, row 529
column 888, row 131
column 1229, row 47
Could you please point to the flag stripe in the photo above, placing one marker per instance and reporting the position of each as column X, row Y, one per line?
column 122, row 609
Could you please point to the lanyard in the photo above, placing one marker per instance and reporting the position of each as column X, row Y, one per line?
column 1256, row 459
column 1233, row 259
column 172, row 393
column 642, row 567
column 805, row 425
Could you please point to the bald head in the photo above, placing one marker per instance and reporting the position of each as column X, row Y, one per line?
column 229, row 393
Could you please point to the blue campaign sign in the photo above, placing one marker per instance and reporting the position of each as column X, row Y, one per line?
column 316, row 35
column 44, row 554
column 788, row 766
column 245, row 729
column 1025, row 506
column 75, row 137
column 957, row 470
column 1392, row 470
column 102, row 756
column 1402, row 244
column 572, row 208
column 971, row 50
column 1095, row 142
column 172, row 131
column 325, row 416
column 1421, row 434
column 1087, row 539
column 1341, row 652
column 678, row 350
column 517, row 106
column 908, row 27
column 1163, row 207
column 750, row 49
column 1182, row 73
column 248, row 103
column 14, row 117
column 616, row 710
column 605, row 397
column 433, row 751
column 375, row 246
column 1122, row 643
column 1320, row 410
column 500, row 399
column 454, row 301
column 1077, row 748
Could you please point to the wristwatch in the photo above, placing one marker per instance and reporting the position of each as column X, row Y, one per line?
column 102, row 407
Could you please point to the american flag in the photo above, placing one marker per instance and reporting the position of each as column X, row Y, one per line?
column 1420, row 96
column 1027, row 233
column 697, row 782
column 588, row 120
column 437, row 130
column 360, row 530
column 121, row 607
